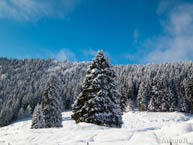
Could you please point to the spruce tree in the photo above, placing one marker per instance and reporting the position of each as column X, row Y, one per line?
column 162, row 97
column 124, row 100
column 99, row 101
column 144, row 95
column 48, row 114
column 188, row 91
column 37, row 118
column 52, row 104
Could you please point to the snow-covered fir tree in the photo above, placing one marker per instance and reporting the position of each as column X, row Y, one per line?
column 99, row 101
column 52, row 104
column 124, row 100
column 187, row 90
column 37, row 118
column 48, row 114
column 161, row 97
column 144, row 95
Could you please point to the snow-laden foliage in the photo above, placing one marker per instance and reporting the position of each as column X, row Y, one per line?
column 148, row 83
column 52, row 104
column 22, row 83
column 187, row 91
column 161, row 97
column 21, row 86
column 99, row 101
column 144, row 94
column 48, row 114
column 37, row 118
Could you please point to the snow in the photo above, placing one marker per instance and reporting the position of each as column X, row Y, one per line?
column 95, row 71
column 139, row 128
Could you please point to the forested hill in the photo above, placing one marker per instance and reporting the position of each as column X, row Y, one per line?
column 153, row 87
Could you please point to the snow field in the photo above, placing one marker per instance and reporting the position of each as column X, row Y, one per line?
column 139, row 128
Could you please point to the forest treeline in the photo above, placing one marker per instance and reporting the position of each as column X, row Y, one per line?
column 153, row 87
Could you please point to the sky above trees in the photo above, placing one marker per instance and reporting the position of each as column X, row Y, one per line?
column 129, row 32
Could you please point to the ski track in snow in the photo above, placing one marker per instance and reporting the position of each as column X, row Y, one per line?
column 139, row 128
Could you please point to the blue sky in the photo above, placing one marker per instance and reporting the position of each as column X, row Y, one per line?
column 129, row 32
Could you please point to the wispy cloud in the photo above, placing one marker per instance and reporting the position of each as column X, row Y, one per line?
column 176, row 44
column 62, row 54
column 36, row 9
column 65, row 54
column 89, row 52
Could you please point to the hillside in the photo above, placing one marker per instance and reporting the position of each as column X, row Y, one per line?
column 154, row 87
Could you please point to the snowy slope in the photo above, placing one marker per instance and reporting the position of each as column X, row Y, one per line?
column 140, row 128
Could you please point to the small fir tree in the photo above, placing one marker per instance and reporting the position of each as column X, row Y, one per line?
column 99, row 101
column 52, row 104
column 48, row 114
column 37, row 118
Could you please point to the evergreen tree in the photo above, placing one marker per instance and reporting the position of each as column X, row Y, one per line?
column 37, row 118
column 48, row 114
column 52, row 105
column 124, row 101
column 144, row 95
column 99, row 101
column 187, row 87
column 162, row 97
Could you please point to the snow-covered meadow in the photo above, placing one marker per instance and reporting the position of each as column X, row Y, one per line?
column 139, row 128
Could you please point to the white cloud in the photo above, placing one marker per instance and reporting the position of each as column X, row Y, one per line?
column 89, row 52
column 35, row 9
column 64, row 54
column 176, row 44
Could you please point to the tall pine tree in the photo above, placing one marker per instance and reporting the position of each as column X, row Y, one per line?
column 99, row 101
column 51, row 104
column 144, row 94
column 48, row 115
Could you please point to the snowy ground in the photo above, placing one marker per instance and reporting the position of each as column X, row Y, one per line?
column 140, row 128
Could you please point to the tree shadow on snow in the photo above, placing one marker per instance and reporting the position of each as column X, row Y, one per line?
column 147, row 129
